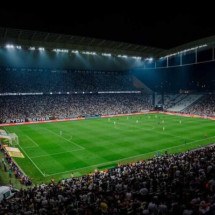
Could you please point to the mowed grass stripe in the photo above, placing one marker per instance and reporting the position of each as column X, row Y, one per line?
column 105, row 143
column 185, row 147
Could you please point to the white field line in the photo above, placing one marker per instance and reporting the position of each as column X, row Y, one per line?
column 96, row 165
column 32, row 161
column 30, row 147
column 29, row 159
column 100, row 164
column 65, row 139
column 56, row 153
column 32, row 140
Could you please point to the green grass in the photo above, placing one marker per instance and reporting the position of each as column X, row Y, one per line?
column 87, row 145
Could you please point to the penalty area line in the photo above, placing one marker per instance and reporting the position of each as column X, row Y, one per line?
column 65, row 139
column 32, row 161
column 57, row 153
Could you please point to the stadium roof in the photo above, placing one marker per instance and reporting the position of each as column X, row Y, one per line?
column 204, row 42
column 62, row 41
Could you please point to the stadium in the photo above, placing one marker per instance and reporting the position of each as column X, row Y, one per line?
column 93, row 126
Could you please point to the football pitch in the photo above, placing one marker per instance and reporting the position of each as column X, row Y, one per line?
column 72, row 148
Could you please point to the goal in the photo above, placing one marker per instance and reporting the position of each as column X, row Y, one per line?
column 9, row 138
column 13, row 139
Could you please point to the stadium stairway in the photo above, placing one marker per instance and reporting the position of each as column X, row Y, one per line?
column 138, row 84
column 183, row 101
column 195, row 102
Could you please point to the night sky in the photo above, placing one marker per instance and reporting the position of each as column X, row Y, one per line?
column 159, row 25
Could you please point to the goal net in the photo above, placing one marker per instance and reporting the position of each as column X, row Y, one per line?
column 8, row 138
column 14, row 140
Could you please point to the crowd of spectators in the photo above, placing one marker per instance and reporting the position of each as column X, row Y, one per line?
column 169, row 100
column 23, row 80
column 204, row 107
column 69, row 106
column 66, row 93
column 166, row 185
column 63, row 106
